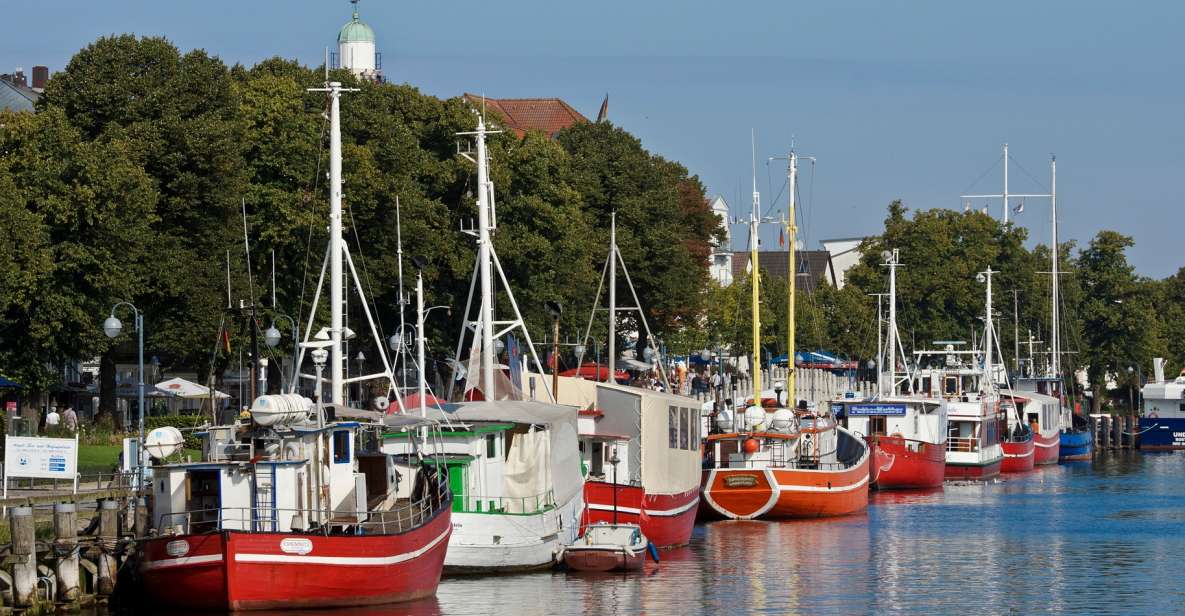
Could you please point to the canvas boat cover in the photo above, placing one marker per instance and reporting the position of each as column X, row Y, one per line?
column 544, row 458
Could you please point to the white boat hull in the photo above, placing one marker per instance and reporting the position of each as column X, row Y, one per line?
column 490, row 542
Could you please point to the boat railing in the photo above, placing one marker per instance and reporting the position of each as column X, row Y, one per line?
column 517, row 505
column 962, row 443
column 399, row 518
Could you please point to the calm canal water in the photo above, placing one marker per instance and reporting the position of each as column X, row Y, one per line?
column 1088, row 537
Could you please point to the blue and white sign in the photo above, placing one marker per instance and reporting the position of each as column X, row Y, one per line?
column 42, row 458
column 864, row 410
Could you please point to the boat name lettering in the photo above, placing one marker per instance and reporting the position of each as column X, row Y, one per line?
column 298, row 545
column 860, row 410
column 179, row 547
column 740, row 481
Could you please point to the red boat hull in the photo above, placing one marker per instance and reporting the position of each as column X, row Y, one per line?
column 239, row 570
column 608, row 559
column 747, row 494
column 902, row 464
column 973, row 472
column 1018, row 456
column 666, row 519
column 1046, row 450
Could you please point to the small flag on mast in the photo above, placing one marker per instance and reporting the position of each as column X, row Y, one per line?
column 781, row 238
column 603, row 114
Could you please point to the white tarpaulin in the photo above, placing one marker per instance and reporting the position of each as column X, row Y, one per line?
column 558, row 423
column 528, row 471
column 181, row 388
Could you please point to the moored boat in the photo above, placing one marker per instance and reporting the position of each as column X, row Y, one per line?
column 607, row 547
column 294, row 507
column 1162, row 422
column 778, row 462
column 905, row 430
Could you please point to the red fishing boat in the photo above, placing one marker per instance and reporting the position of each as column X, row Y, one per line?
column 1018, row 444
column 906, row 430
column 295, row 506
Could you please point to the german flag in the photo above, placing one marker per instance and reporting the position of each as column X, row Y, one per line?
column 226, row 341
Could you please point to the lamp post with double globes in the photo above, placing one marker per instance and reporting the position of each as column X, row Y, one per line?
column 112, row 326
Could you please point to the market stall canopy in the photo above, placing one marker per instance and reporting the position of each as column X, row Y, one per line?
column 181, row 388
column 9, row 384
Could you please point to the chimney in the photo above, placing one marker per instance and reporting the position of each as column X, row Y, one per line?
column 19, row 77
column 1158, row 369
column 40, row 76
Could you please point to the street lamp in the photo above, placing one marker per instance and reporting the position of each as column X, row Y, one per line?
column 112, row 326
column 272, row 338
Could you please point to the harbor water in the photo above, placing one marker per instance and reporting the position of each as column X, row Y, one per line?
column 1099, row 537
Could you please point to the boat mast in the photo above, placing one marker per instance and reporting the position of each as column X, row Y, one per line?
column 1005, row 184
column 486, row 308
column 755, row 280
column 792, row 275
column 892, row 328
column 337, row 392
column 337, row 259
column 1056, row 364
column 988, row 343
column 612, row 298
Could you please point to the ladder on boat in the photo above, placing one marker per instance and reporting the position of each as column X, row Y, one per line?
column 263, row 505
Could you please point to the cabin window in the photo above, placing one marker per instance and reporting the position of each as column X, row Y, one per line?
column 341, row 446
column 876, row 426
column 1033, row 418
column 926, row 385
column 684, row 428
column 950, row 386
column 673, row 427
column 1183, row 407
column 693, row 417
column 491, row 446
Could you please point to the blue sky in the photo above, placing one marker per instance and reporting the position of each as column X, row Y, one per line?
column 908, row 100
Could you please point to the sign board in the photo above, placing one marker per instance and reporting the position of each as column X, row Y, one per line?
column 864, row 410
column 10, row 406
column 43, row 458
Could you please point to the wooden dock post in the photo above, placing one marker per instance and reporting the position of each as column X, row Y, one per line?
column 65, row 526
column 108, row 540
column 24, row 551
column 141, row 525
column 1105, row 432
column 1117, row 432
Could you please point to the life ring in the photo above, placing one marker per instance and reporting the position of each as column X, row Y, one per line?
column 1153, row 415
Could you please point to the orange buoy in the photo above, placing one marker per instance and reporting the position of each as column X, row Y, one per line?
column 751, row 445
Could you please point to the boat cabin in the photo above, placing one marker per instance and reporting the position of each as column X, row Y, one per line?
column 281, row 478
column 914, row 419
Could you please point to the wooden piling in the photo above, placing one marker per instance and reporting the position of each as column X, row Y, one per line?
column 1105, row 432
column 24, row 552
column 1117, row 432
column 141, row 525
column 65, row 526
column 108, row 539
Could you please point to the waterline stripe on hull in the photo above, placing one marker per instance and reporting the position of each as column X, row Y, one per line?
column 792, row 488
column 652, row 512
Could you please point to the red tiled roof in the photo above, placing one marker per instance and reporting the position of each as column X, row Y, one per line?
column 520, row 115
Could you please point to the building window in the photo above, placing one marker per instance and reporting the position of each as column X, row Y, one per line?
column 341, row 446
column 673, row 427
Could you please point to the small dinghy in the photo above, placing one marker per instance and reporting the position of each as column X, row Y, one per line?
column 609, row 547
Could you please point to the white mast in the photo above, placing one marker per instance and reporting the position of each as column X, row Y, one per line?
column 1055, row 256
column 337, row 259
column 755, row 279
column 988, row 343
column 486, row 309
column 487, row 265
column 892, row 327
column 420, row 341
column 612, row 298
column 337, row 391
column 1005, row 183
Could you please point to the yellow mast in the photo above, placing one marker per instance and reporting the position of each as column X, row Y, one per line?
column 792, row 275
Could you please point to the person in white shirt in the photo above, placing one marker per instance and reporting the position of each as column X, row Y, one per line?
column 53, row 418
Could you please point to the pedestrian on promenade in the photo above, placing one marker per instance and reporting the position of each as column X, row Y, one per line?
column 71, row 418
column 53, row 418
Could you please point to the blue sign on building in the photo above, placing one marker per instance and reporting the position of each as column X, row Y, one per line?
column 864, row 410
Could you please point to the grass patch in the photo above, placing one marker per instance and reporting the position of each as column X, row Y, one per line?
column 94, row 459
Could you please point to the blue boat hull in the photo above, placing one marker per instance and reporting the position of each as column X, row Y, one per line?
column 1162, row 433
column 1075, row 445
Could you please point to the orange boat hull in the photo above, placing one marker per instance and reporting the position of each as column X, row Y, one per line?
column 747, row 494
